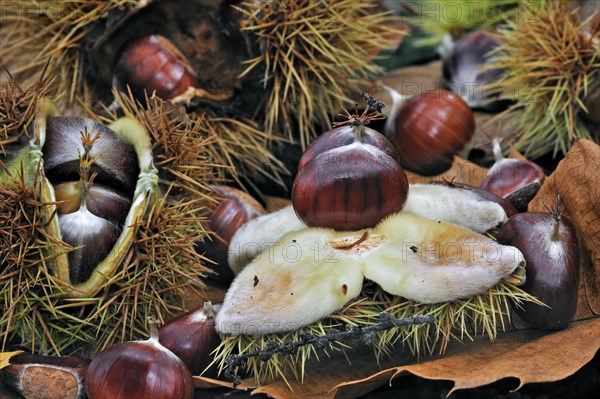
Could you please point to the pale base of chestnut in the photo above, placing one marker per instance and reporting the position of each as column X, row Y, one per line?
column 303, row 275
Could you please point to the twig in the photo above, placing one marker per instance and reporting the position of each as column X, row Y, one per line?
column 386, row 322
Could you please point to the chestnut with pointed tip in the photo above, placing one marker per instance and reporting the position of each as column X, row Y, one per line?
column 517, row 180
column 192, row 337
column 115, row 159
column 138, row 369
column 549, row 244
column 349, row 178
column 429, row 129
column 153, row 64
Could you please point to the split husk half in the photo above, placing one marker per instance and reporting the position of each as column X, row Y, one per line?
column 153, row 267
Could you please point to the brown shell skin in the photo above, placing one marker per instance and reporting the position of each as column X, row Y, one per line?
column 235, row 209
column 430, row 129
column 552, row 279
column 152, row 63
column 344, row 135
column 349, row 188
column 116, row 161
column 102, row 201
column 192, row 340
column 517, row 180
column 138, row 369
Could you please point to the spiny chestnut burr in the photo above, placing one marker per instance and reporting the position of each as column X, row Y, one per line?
column 549, row 244
column 153, row 64
column 517, row 180
column 42, row 377
column 235, row 209
column 192, row 337
column 349, row 178
column 138, row 369
column 429, row 129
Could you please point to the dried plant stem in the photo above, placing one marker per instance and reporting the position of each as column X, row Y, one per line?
column 386, row 322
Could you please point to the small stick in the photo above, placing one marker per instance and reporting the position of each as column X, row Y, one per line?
column 386, row 322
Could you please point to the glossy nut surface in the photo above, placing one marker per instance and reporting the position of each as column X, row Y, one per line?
column 154, row 64
column 430, row 129
column 349, row 187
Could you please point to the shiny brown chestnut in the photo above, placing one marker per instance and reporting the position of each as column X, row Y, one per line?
column 235, row 209
column 429, row 129
column 342, row 136
column 154, row 65
column 549, row 244
column 517, row 180
column 192, row 337
column 350, row 186
column 138, row 369
column 42, row 377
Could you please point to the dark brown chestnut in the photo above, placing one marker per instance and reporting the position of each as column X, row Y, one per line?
column 349, row 184
column 91, row 215
column 549, row 244
column 153, row 64
column 517, row 180
column 235, row 209
column 429, row 129
column 192, row 337
column 342, row 136
column 101, row 200
column 138, row 369
column 42, row 377
column 115, row 159
column 463, row 73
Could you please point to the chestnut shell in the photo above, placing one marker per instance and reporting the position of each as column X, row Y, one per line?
column 138, row 369
column 153, row 64
column 344, row 135
column 349, row 188
column 430, row 129
column 552, row 267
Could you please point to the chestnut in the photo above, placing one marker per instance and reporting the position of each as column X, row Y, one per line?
column 154, row 65
column 115, row 159
column 429, row 129
column 549, row 244
column 462, row 70
column 192, row 337
column 40, row 377
column 101, row 200
column 517, row 180
column 347, row 178
column 235, row 209
column 138, row 369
